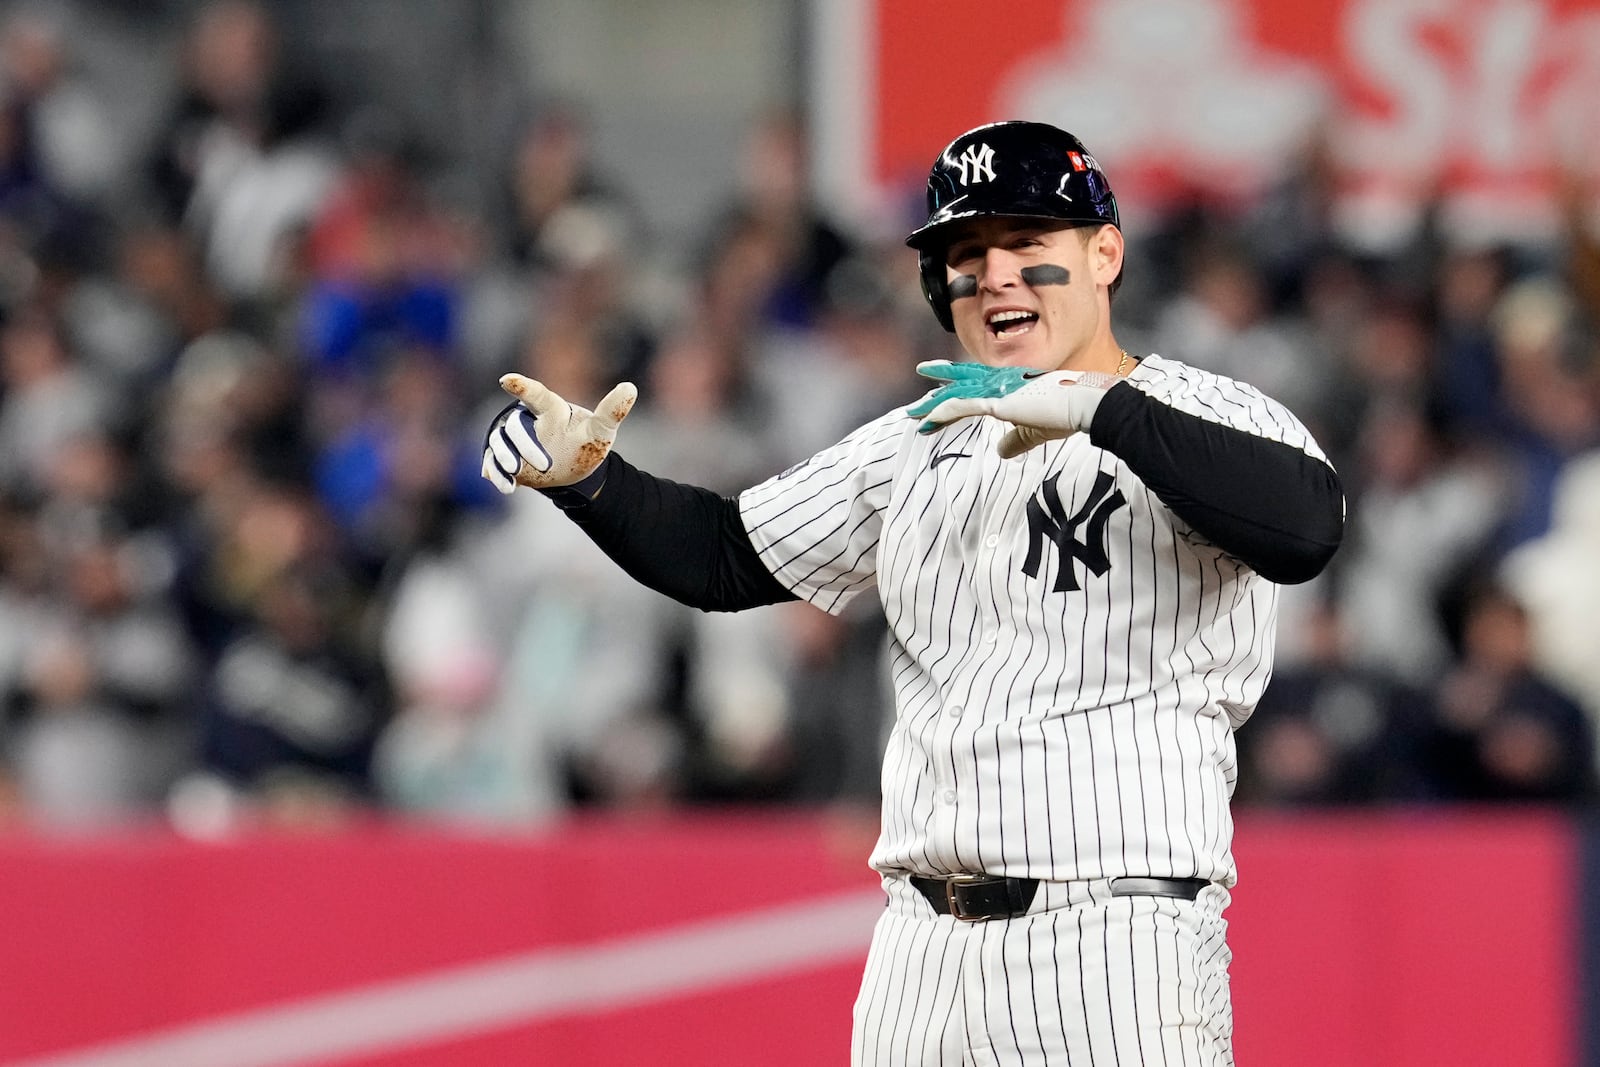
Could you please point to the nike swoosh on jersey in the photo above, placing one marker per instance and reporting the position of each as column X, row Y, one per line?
column 942, row 456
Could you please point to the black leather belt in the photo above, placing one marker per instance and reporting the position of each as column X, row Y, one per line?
column 979, row 897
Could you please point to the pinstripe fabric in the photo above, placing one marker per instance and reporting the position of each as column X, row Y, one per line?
column 1094, row 980
column 1068, row 725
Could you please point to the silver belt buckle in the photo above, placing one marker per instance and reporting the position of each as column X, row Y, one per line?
column 954, row 881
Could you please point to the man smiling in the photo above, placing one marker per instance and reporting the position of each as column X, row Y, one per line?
column 1081, row 612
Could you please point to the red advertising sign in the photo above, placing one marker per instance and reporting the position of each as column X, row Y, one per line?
column 1487, row 103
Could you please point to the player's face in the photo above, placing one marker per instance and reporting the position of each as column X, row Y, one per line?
column 1024, row 293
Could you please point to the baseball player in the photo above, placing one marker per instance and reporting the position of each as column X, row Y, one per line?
column 1078, row 555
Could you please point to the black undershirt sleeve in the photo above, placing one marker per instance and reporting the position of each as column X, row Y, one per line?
column 1269, row 505
column 680, row 540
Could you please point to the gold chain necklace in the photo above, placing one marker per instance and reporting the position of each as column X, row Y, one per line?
column 1123, row 362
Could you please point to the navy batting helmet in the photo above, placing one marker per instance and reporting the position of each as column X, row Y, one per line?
column 1029, row 170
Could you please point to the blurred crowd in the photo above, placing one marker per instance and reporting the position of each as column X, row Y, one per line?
column 249, row 572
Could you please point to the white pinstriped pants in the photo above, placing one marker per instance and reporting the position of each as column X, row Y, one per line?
column 1084, row 979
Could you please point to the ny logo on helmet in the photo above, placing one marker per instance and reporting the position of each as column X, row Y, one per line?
column 976, row 163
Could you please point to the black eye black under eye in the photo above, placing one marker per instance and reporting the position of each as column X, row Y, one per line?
column 1046, row 274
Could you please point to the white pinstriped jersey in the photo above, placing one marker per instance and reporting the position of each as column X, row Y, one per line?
column 1069, row 658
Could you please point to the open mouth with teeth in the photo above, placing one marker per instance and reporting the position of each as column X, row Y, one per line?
column 1011, row 323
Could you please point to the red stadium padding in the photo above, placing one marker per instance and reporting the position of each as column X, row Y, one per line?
column 1422, row 938
column 133, row 935
column 1396, row 938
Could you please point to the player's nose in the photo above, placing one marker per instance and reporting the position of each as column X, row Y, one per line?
column 1000, row 269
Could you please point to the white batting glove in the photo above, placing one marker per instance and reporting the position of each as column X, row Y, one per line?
column 544, row 442
column 1041, row 405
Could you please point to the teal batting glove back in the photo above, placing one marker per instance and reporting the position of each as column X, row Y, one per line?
column 965, row 381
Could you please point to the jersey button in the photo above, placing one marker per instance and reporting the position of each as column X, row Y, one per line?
column 949, row 796
column 991, row 637
column 992, row 540
column 955, row 711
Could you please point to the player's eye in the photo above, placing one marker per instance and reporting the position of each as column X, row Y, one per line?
column 962, row 254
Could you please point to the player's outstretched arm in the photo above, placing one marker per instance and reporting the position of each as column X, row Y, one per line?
column 680, row 540
column 1273, row 506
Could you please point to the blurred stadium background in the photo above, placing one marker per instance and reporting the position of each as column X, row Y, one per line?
column 314, row 750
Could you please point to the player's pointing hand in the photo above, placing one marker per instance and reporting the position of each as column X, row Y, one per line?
column 542, row 441
column 1041, row 405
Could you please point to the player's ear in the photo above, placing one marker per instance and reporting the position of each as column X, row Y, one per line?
column 1106, row 249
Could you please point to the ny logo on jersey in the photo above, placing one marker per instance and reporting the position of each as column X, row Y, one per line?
column 1049, row 521
column 976, row 163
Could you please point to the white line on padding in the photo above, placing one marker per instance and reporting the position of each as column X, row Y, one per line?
column 515, row 991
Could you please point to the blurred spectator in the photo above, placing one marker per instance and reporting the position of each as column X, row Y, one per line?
column 1423, row 518
column 1290, row 229
column 1551, row 378
column 45, row 399
column 243, row 532
column 1329, row 731
column 1556, row 578
column 739, row 714
column 60, row 114
column 1391, row 352
column 45, row 221
column 382, row 261
column 1336, row 297
column 1470, row 389
column 572, row 703
column 1222, row 320
column 591, row 287
column 403, row 467
column 130, row 323
column 95, row 487
column 773, row 205
column 228, row 391
column 566, row 244
column 840, row 704
column 859, row 361
column 697, row 421
column 103, row 677
column 295, row 702
column 1380, row 346
column 1501, row 731
column 451, row 749
column 239, row 159
column 552, row 172
column 736, row 278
